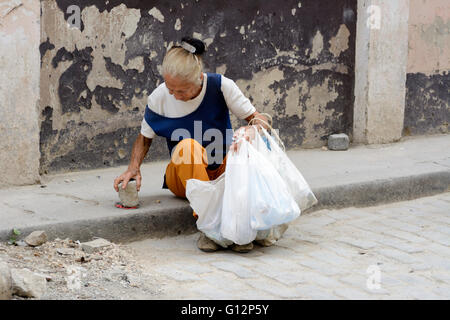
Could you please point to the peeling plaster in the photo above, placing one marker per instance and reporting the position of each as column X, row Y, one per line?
column 317, row 45
column 339, row 43
column 177, row 25
column 155, row 13
column 260, row 46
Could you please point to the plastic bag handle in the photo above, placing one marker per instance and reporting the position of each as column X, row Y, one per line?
column 280, row 142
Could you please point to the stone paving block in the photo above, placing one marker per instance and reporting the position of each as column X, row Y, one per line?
column 423, row 294
column 438, row 218
column 353, row 294
column 390, row 281
column 442, row 292
column 286, row 277
column 328, row 282
column 442, row 228
column 322, row 221
column 279, row 263
column 415, row 280
column 437, row 237
column 422, row 210
column 406, row 236
column 338, row 215
column 319, row 266
column 274, row 288
column 196, row 268
column 442, row 205
column 400, row 225
column 441, row 277
column 360, row 213
column 401, row 245
column 254, row 294
column 355, row 280
column 311, row 230
column 227, row 283
column 398, row 255
column 360, row 243
column 178, row 275
column 420, row 266
column 238, row 270
column 436, row 261
column 232, row 257
column 315, row 293
column 419, row 221
column 330, row 258
column 208, row 292
column 347, row 252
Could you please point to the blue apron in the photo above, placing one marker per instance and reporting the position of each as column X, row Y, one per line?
column 212, row 113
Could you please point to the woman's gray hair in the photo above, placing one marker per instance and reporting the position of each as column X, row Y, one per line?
column 180, row 63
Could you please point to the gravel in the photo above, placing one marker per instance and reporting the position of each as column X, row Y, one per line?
column 110, row 273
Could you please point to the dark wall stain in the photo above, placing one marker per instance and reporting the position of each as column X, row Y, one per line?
column 72, row 83
column 427, row 105
column 44, row 47
column 270, row 27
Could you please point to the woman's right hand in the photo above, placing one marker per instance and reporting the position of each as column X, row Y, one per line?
column 126, row 177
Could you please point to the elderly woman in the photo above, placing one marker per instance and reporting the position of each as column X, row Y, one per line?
column 191, row 110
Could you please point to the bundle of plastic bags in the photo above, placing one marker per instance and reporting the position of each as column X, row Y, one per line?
column 260, row 192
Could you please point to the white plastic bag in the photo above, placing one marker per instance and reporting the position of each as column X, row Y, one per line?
column 206, row 198
column 236, row 219
column 299, row 188
column 255, row 196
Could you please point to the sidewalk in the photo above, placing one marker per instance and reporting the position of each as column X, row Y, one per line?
column 81, row 205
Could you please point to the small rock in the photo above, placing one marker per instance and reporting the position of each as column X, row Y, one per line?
column 47, row 277
column 36, row 238
column 28, row 284
column 129, row 195
column 95, row 245
column 83, row 259
column 338, row 141
column 133, row 281
column 65, row 251
column 5, row 282
column 21, row 243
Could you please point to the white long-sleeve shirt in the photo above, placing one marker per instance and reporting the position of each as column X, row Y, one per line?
column 163, row 103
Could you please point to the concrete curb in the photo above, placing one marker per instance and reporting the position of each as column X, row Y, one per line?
column 178, row 219
column 370, row 193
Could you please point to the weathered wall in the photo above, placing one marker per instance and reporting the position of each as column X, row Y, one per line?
column 294, row 60
column 380, row 72
column 19, row 91
column 427, row 107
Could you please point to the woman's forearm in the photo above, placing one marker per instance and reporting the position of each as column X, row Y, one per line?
column 139, row 151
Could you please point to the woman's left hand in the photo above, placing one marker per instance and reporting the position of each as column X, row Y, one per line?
column 246, row 132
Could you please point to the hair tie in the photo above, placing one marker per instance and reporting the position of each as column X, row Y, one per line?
column 188, row 47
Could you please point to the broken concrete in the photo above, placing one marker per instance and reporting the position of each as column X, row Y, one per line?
column 95, row 245
column 36, row 238
column 5, row 282
column 27, row 284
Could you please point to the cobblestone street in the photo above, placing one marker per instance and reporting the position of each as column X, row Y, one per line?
column 394, row 251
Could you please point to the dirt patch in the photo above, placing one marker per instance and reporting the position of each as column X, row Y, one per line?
column 110, row 273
